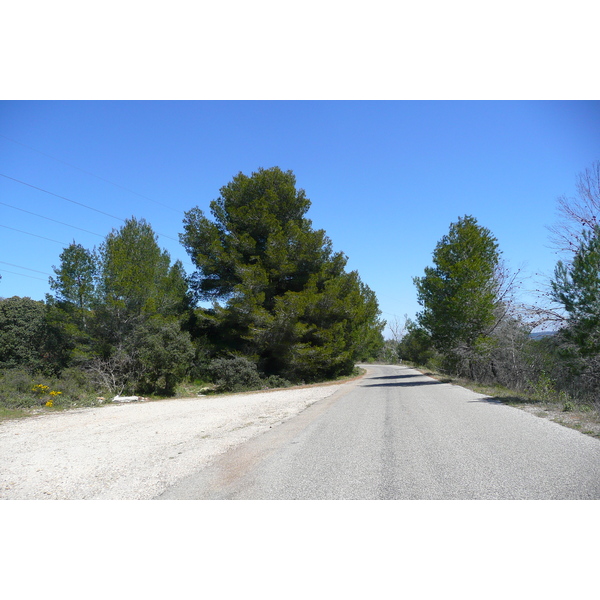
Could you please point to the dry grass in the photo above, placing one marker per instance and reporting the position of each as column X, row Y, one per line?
column 13, row 413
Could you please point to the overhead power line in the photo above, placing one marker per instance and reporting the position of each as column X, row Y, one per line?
column 92, row 174
column 63, row 198
column 26, row 268
column 22, row 274
column 78, row 203
column 35, row 235
column 49, row 219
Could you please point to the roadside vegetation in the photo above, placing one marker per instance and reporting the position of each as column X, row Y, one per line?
column 472, row 331
column 540, row 400
column 269, row 305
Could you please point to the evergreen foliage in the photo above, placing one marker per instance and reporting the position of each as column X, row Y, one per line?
column 235, row 374
column 123, row 315
column 259, row 243
column 468, row 328
column 459, row 294
column 289, row 303
column 163, row 355
column 75, row 281
column 415, row 346
column 24, row 334
column 576, row 287
column 136, row 278
column 119, row 312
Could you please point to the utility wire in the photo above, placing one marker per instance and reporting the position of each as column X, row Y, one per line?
column 26, row 268
column 34, row 235
column 49, row 219
column 63, row 198
column 22, row 274
column 78, row 203
column 92, row 174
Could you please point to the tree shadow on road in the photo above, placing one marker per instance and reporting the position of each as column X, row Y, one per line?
column 487, row 401
column 395, row 377
column 404, row 384
column 505, row 400
column 399, row 381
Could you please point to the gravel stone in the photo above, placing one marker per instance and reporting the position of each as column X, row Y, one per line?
column 135, row 451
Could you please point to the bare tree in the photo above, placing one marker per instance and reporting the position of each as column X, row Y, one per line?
column 578, row 214
column 116, row 373
column 397, row 328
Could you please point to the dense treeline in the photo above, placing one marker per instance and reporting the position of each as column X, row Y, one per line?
column 124, row 318
column 471, row 326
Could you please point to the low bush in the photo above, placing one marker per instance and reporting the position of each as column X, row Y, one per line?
column 21, row 389
column 235, row 374
column 274, row 381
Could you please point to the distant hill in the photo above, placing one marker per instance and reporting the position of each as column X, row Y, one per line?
column 538, row 335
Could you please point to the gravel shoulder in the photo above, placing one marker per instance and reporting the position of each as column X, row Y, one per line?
column 135, row 451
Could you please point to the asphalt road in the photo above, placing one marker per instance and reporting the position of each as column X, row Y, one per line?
column 397, row 434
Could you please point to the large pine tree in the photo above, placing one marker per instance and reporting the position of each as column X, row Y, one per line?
column 289, row 303
column 459, row 294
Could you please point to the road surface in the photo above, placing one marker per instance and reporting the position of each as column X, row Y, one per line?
column 397, row 434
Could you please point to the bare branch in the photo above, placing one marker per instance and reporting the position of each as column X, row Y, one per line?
column 398, row 329
column 578, row 214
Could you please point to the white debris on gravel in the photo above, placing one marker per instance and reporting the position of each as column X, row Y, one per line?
column 134, row 451
column 118, row 398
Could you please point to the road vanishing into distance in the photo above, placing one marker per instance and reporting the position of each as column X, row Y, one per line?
column 396, row 434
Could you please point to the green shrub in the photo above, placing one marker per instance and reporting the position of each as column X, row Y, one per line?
column 21, row 389
column 436, row 363
column 163, row 354
column 543, row 388
column 15, row 380
column 16, row 389
column 235, row 374
column 274, row 381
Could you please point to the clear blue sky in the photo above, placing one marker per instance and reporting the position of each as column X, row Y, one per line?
column 385, row 178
